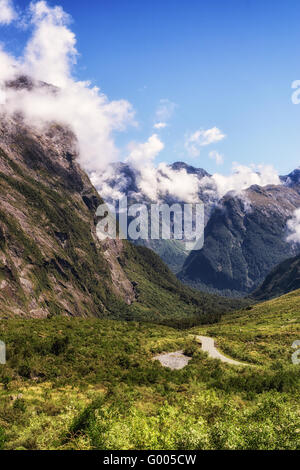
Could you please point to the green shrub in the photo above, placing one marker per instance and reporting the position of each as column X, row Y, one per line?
column 24, row 371
column 60, row 345
column 20, row 405
column 2, row 438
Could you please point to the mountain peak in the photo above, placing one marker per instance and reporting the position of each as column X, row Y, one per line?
column 177, row 166
column 25, row 82
column 293, row 178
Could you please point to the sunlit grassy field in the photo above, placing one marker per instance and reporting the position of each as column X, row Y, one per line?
column 92, row 384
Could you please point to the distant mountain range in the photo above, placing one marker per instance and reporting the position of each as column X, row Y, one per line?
column 245, row 234
column 242, row 245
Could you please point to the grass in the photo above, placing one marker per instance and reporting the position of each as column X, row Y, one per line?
column 92, row 384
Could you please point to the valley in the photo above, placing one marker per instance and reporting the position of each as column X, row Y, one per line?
column 149, row 230
column 82, row 321
column 92, row 384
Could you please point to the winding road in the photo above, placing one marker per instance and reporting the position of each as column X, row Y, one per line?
column 208, row 345
column 178, row 360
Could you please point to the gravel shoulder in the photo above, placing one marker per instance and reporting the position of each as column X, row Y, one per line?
column 175, row 360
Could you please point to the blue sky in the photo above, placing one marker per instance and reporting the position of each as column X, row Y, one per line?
column 224, row 63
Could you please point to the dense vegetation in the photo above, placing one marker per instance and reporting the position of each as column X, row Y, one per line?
column 162, row 298
column 92, row 384
column 170, row 251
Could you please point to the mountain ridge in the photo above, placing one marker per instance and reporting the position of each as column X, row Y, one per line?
column 51, row 261
column 244, row 242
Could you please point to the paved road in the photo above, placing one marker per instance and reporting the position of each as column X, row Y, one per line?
column 208, row 345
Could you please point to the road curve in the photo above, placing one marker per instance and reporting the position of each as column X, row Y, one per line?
column 208, row 345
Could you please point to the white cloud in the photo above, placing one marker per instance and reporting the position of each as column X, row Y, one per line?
column 155, row 182
column 51, row 51
column 178, row 184
column 242, row 177
column 164, row 113
column 145, row 153
column 293, row 226
column 160, row 125
column 101, row 179
column 218, row 157
column 152, row 182
column 49, row 56
column 141, row 157
column 7, row 12
column 202, row 138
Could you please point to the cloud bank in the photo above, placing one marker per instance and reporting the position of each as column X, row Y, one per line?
column 50, row 56
column 241, row 178
column 7, row 12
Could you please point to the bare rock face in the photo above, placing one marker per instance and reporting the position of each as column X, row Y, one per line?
column 51, row 261
column 113, row 250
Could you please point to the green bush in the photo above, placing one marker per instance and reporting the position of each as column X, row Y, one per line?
column 2, row 438
column 60, row 345
column 20, row 405
column 24, row 371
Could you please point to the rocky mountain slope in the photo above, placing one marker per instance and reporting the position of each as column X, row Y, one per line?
column 282, row 279
column 123, row 179
column 293, row 179
column 51, row 261
column 50, row 257
column 244, row 239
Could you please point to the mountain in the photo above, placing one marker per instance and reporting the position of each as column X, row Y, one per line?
column 191, row 170
column 282, row 279
column 123, row 179
column 293, row 179
column 244, row 239
column 51, row 261
column 245, row 235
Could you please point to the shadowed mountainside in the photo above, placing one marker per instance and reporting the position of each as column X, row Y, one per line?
column 244, row 239
column 282, row 279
